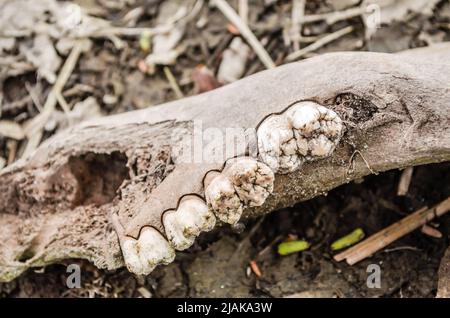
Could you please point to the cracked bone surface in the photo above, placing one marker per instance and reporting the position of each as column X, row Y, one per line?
column 306, row 131
column 191, row 218
column 244, row 182
column 144, row 254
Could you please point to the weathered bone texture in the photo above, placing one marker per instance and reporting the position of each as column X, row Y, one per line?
column 58, row 203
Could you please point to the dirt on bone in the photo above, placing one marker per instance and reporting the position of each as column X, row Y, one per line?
column 355, row 108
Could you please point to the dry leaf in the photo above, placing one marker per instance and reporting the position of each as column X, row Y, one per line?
column 203, row 79
column 233, row 62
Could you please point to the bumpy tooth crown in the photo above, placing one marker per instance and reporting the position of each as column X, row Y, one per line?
column 150, row 250
column 186, row 223
column 304, row 132
column 277, row 144
column 223, row 199
column 244, row 182
column 154, row 249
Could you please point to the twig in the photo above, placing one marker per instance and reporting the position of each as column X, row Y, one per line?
column 173, row 82
column 298, row 12
column 333, row 17
column 405, row 181
column 319, row 43
column 393, row 232
column 33, row 129
column 402, row 248
column 364, row 159
column 243, row 28
column 243, row 10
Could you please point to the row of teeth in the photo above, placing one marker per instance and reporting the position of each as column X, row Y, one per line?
column 304, row 132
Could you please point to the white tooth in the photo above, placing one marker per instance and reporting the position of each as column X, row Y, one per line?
column 304, row 117
column 185, row 224
column 130, row 253
column 276, row 144
column 302, row 144
column 224, row 201
column 252, row 180
column 321, row 146
column 154, row 249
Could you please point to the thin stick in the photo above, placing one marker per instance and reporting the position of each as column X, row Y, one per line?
column 351, row 162
column 173, row 82
column 393, row 232
column 34, row 128
column 319, row 43
column 405, row 181
column 298, row 12
column 234, row 18
column 333, row 17
column 243, row 10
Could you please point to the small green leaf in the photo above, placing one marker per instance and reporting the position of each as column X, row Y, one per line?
column 348, row 240
column 287, row 248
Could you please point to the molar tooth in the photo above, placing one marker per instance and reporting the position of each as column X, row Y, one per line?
column 154, row 249
column 304, row 117
column 190, row 219
column 130, row 252
column 223, row 200
column 276, row 144
column 321, row 146
column 252, row 180
column 316, row 132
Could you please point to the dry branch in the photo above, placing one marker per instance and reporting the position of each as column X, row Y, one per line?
column 392, row 233
column 56, row 203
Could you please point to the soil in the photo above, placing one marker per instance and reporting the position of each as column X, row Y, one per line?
column 218, row 265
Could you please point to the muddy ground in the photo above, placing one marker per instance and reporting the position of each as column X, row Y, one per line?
column 218, row 264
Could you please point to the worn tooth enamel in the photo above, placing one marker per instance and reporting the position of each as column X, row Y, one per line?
column 223, row 200
column 131, row 257
column 302, row 144
column 190, row 219
column 304, row 117
column 252, row 180
column 304, row 132
column 277, row 145
column 154, row 249
column 321, row 146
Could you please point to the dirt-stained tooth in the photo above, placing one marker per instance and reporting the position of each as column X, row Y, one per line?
column 277, row 145
column 306, row 131
column 131, row 257
column 154, row 249
column 223, row 199
column 191, row 218
column 244, row 182
column 252, row 180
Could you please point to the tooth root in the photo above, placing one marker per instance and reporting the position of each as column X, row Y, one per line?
column 154, row 249
column 184, row 225
column 131, row 257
